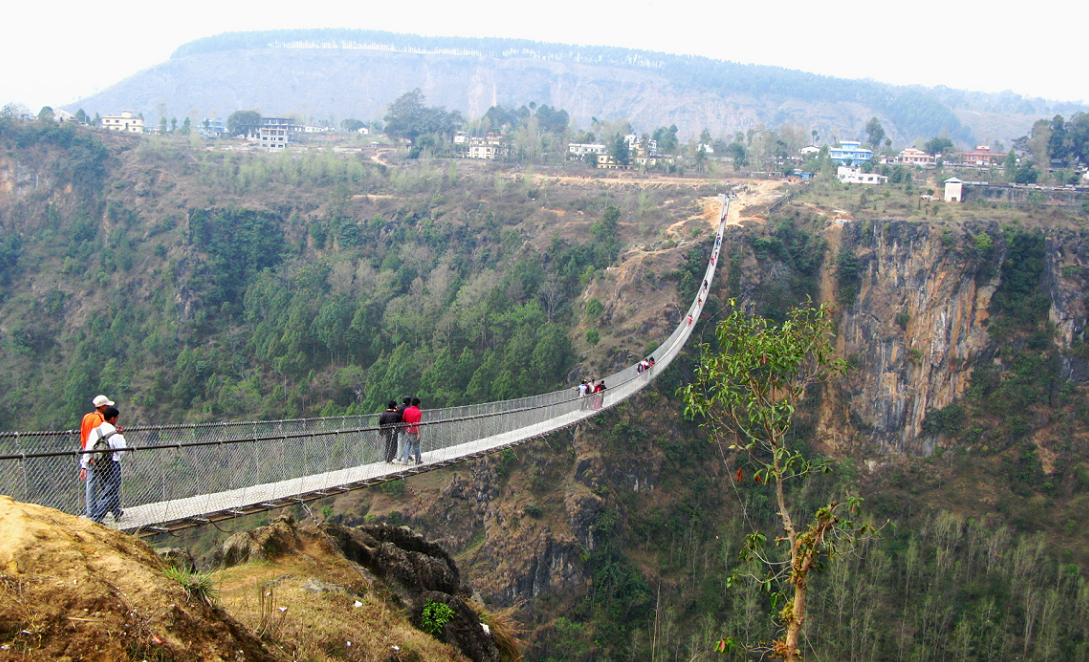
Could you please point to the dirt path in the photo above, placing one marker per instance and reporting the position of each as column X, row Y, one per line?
column 759, row 193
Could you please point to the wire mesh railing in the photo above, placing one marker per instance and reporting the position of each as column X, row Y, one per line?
column 180, row 475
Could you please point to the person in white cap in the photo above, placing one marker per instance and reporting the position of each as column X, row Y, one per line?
column 90, row 421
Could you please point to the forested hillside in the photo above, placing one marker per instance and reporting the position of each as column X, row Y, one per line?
column 191, row 284
column 199, row 285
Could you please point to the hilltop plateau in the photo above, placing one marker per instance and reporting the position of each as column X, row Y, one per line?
column 335, row 74
column 204, row 284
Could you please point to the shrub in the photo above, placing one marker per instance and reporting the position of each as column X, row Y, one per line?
column 435, row 616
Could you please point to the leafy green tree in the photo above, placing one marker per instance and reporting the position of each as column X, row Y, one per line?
column 409, row 118
column 351, row 125
column 1011, row 163
column 243, row 121
column 737, row 152
column 186, row 127
column 666, row 139
column 81, row 116
column 747, row 391
column 551, row 120
column 936, row 146
column 45, row 115
column 875, row 132
column 618, row 150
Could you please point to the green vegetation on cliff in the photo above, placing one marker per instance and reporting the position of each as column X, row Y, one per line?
column 190, row 284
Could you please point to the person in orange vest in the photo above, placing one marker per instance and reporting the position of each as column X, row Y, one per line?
column 90, row 421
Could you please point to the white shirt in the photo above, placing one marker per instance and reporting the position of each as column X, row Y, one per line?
column 116, row 441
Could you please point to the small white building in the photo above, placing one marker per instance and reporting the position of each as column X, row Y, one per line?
column 849, row 175
column 483, row 150
column 954, row 190
column 810, row 149
column 273, row 138
column 582, row 149
column 125, row 122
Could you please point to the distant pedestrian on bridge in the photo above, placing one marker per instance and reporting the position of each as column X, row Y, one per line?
column 92, row 487
column 405, row 404
column 388, row 422
column 105, row 468
column 411, row 420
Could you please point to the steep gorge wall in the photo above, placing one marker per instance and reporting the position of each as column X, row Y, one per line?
column 918, row 325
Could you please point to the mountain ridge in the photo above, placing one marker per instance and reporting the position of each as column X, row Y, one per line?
column 356, row 73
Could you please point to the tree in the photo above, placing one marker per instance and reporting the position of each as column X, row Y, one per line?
column 666, row 138
column 875, row 132
column 409, row 118
column 551, row 120
column 747, row 391
column 186, row 127
column 936, row 146
column 14, row 111
column 45, row 115
column 618, row 149
column 351, row 125
column 738, row 153
column 243, row 122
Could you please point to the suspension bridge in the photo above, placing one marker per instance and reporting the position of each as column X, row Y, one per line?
column 180, row 476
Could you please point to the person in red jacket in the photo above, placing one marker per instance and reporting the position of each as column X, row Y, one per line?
column 411, row 419
column 91, row 420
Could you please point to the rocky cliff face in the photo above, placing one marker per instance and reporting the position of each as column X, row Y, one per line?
column 914, row 319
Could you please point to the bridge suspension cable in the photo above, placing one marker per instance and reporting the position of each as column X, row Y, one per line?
column 178, row 476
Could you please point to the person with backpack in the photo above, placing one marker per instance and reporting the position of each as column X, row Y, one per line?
column 411, row 420
column 91, row 420
column 388, row 422
column 105, row 466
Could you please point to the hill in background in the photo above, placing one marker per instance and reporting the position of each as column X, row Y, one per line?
column 335, row 74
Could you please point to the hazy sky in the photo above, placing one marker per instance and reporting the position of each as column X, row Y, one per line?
column 58, row 52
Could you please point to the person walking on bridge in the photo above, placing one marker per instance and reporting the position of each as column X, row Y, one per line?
column 106, row 467
column 388, row 422
column 411, row 420
column 92, row 487
column 405, row 403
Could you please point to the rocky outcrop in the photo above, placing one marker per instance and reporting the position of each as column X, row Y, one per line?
column 261, row 544
column 422, row 574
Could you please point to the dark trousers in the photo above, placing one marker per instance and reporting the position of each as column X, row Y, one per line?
column 110, row 499
column 390, row 438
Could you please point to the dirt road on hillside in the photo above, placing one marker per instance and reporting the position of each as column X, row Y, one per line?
column 761, row 193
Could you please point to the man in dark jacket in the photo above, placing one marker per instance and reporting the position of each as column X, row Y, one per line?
column 388, row 422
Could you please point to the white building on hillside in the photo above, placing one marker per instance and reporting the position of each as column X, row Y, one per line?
column 125, row 122
column 856, row 176
column 582, row 149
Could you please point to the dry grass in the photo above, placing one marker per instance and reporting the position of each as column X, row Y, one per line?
column 505, row 630
column 343, row 615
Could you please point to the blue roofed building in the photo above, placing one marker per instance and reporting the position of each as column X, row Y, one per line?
column 850, row 153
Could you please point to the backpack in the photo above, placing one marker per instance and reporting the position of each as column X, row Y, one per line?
column 101, row 444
